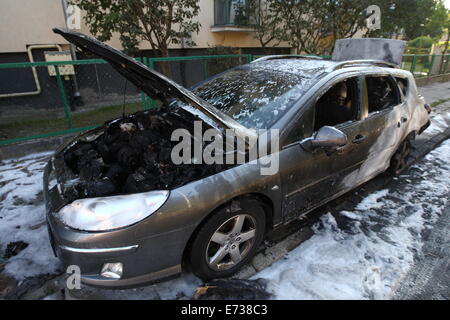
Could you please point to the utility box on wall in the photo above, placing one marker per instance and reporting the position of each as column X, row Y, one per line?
column 64, row 70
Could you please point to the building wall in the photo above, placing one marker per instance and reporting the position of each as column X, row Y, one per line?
column 205, row 38
column 30, row 22
column 27, row 22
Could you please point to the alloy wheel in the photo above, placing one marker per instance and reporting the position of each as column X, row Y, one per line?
column 231, row 242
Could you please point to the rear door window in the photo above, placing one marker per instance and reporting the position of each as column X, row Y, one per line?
column 403, row 85
column 382, row 93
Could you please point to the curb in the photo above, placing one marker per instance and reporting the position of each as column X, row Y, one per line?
column 425, row 81
column 421, row 149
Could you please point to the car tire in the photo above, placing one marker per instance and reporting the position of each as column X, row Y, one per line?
column 227, row 240
column 400, row 157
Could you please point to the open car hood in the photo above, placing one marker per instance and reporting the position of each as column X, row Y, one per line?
column 153, row 83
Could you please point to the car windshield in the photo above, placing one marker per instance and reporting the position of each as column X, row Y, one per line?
column 254, row 96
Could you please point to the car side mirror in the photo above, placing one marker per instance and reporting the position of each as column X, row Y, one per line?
column 328, row 138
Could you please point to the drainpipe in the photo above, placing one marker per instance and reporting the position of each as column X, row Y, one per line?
column 77, row 95
column 33, row 69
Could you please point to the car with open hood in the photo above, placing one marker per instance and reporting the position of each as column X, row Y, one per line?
column 121, row 209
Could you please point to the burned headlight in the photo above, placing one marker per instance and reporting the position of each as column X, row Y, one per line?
column 108, row 213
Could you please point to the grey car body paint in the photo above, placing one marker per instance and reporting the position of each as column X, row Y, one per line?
column 305, row 181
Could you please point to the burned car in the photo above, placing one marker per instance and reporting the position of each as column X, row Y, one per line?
column 126, row 214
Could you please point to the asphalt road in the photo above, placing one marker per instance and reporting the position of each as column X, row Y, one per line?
column 429, row 277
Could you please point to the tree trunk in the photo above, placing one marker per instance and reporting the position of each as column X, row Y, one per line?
column 164, row 66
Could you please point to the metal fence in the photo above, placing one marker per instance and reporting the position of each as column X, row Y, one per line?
column 43, row 99
column 426, row 65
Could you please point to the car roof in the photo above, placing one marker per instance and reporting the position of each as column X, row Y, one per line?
column 314, row 67
column 305, row 66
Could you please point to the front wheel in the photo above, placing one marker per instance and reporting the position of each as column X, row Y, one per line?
column 227, row 240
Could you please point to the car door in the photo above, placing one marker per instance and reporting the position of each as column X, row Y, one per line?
column 310, row 177
column 306, row 176
column 347, row 161
column 385, row 122
column 373, row 139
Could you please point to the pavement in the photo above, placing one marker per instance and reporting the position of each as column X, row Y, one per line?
column 34, row 274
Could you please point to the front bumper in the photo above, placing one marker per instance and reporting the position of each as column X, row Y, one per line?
column 97, row 257
column 118, row 255
column 144, row 261
column 148, row 252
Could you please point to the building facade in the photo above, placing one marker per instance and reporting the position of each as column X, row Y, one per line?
column 29, row 23
column 26, row 35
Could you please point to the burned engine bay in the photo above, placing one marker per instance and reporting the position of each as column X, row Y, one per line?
column 129, row 155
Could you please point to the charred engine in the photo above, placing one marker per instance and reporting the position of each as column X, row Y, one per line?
column 131, row 155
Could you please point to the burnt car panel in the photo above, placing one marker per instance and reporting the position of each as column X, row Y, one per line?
column 317, row 173
column 266, row 101
column 132, row 155
column 389, row 50
column 331, row 141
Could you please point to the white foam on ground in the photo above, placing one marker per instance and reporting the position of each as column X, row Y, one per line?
column 439, row 123
column 372, row 201
column 370, row 260
column 22, row 216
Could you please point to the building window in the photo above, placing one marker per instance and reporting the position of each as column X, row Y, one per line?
column 230, row 12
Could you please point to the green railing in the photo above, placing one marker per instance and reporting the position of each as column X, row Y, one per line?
column 104, row 93
column 425, row 65
column 21, row 118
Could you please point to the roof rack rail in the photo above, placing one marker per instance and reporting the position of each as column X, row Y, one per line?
column 287, row 56
column 351, row 63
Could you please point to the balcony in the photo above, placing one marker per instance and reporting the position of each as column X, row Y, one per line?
column 231, row 16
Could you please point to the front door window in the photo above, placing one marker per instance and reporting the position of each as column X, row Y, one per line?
column 338, row 105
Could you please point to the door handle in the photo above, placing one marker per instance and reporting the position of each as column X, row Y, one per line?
column 358, row 139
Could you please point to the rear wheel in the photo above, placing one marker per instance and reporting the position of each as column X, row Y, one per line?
column 400, row 157
column 227, row 240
